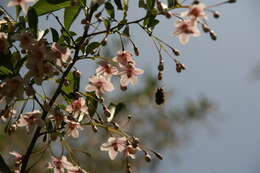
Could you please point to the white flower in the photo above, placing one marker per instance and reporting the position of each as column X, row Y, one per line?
column 113, row 146
column 185, row 29
column 78, row 108
column 100, row 85
column 22, row 3
column 60, row 55
column 106, row 69
column 72, row 128
column 30, row 119
column 59, row 165
column 129, row 74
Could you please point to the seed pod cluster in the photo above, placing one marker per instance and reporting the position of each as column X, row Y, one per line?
column 159, row 96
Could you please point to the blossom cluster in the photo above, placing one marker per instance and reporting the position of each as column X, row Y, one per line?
column 123, row 65
column 189, row 27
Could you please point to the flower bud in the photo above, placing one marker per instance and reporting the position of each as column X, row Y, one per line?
column 231, row 1
column 160, row 75
column 161, row 66
column 77, row 73
column 195, row 2
column 167, row 14
column 147, row 157
column 136, row 50
column 104, row 41
column 94, row 128
column 106, row 111
column 213, row 35
column 205, row 28
column 176, row 52
column 123, row 88
column 216, row 14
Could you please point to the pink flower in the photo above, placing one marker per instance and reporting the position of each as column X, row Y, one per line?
column 60, row 55
column 57, row 116
column 18, row 157
column 78, row 108
column 25, row 38
column 59, row 165
column 129, row 74
column 12, row 88
column 22, row 3
column 124, row 58
column 3, row 43
column 195, row 12
column 30, row 119
column 100, row 85
column 106, row 69
column 72, row 128
column 38, row 63
column 185, row 28
column 113, row 146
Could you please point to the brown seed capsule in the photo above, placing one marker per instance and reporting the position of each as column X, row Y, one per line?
column 94, row 128
column 123, row 88
column 195, row 2
column 147, row 157
column 161, row 66
column 104, row 41
column 205, row 28
column 77, row 73
column 83, row 21
column 159, row 96
column 216, row 14
column 136, row 50
column 176, row 52
column 160, row 76
column 106, row 111
column 231, row 1
column 213, row 35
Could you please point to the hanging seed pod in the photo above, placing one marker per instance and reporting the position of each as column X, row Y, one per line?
column 147, row 157
column 213, row 35
column 216, row 14
column 176, row 52
column 160, row 75
column 159, row 96
column 161, row 66
column 205, row 28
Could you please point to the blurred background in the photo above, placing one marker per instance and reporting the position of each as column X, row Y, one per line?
column 210, row 121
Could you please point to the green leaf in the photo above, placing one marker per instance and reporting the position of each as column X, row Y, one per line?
column 119, row 4
column 32, row 18
column 72, row 86
column 70, row 14
column 110, row 9
column 46, row 6
column 18, row 10
column 55, row 35
column 92, row 46
column 173, row 4
column 5, row 72
column 142, row 4
column 107, row 24
column 92, row 102
column 150, row 4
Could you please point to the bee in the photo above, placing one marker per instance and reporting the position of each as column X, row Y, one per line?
column 159, row 96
